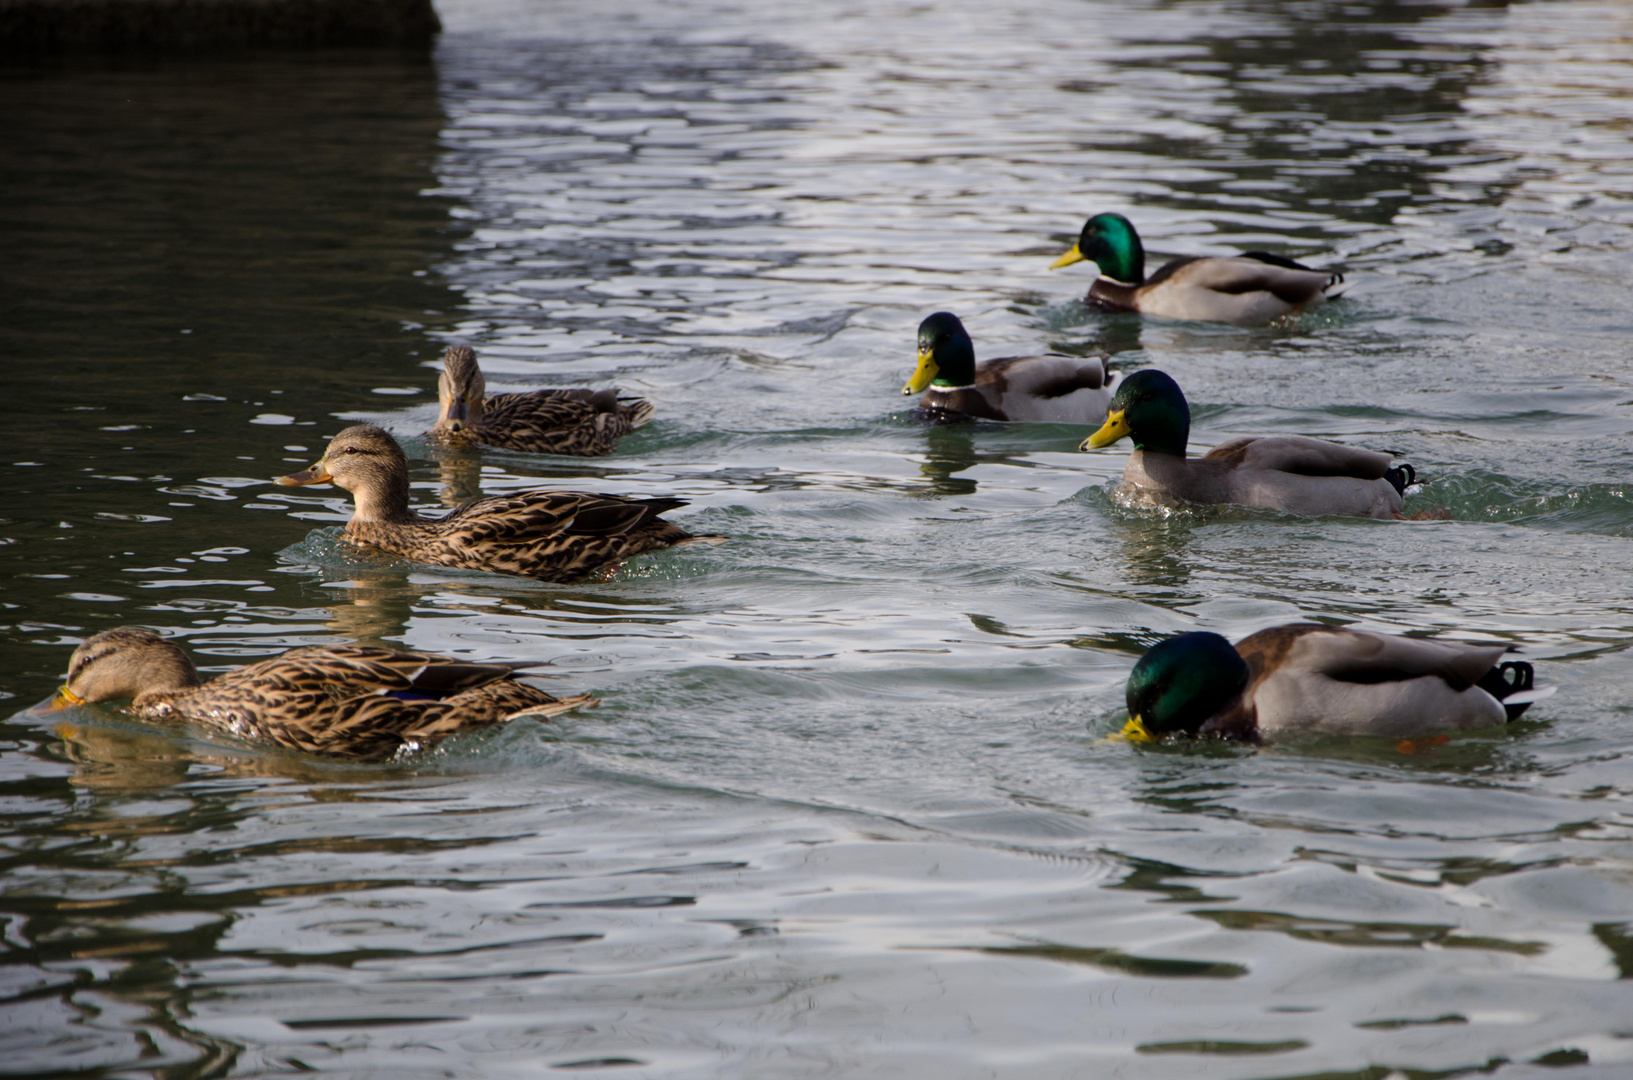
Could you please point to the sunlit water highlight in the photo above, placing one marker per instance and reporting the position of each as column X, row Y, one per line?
column 848, row 805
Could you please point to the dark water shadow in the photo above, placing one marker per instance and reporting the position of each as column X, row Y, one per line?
column 208, row 258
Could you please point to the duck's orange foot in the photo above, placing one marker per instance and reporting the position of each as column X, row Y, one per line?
column 1421, row 746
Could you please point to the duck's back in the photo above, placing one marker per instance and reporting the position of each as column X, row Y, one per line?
column 549, row 535
column 1233, row 289
column 580, row 422
column 1352, row 682
column 1300, row 475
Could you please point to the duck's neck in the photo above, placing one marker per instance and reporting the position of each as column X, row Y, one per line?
column 955, row 364
column 165, row 675
column 1172, row 476
column 1238, row 721
column 1112, row 295
column 1163, row 431
column 383, row 503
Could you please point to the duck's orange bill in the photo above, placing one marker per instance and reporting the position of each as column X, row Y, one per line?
column 317, row 474
column 64, row 698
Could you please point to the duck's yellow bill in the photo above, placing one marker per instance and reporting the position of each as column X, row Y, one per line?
column 1115, row 427
column 63, row 699
column 1072, row 256
column 1135, row 731
column 924, row 376
column 317, row 474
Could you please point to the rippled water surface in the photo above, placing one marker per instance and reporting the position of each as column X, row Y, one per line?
column 848, row 806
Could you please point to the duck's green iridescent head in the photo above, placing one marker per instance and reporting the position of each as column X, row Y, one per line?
column 1110, row 242
column 1179, row 683
column 1150, row 409
column 946, row 354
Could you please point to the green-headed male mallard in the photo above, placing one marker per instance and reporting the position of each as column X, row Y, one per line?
column 1279, row 472
column 1051, row 388
column 1247, row 289
column 1305, row 677
column 585, row 423
column 549, row 535
column 351, row 701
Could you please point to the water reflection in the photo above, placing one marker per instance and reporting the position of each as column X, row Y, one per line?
column 461, row 473
column 371, row 608
column 115, row 757
column 1155, row 553
column 220, row 255
column 950, row 449
column 1327, row 105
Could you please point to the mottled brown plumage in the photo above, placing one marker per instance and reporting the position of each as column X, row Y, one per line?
column 550, row 535
column 584, row 423
column 350, row 701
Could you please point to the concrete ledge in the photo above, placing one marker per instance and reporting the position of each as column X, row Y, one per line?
column 45, row 27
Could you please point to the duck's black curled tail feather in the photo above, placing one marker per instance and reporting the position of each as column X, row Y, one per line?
column 1401, row 477
column 1510, row 677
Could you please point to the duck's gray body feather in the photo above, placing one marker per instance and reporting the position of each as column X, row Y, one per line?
column 1353, row 682
column 1050, row 389
column 1290, row 473
column 1230, row 289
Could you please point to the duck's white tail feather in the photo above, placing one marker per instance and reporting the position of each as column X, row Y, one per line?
column 1526, row 697
column 1336, row 286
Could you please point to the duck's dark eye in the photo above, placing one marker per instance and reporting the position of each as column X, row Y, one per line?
column 350, row 450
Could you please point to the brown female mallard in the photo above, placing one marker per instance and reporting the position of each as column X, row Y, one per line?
column 351, row 701
column 585, row 423
column 549, row 535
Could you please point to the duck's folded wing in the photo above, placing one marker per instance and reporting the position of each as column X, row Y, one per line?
column 1357, row 656
column 1048, row 376
column 1302, row 456
column 530, row 516
column 376, row 727
column 523, row 517
column 1289, row 283
column 345, row 671
column 546, row 410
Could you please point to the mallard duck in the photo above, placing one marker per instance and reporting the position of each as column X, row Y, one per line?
column 352, row 701
column 581, row 422
column 1247, row 289
column 1281, row 472
column 549, row 535
column 1305, row 677
column 1051, row 388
